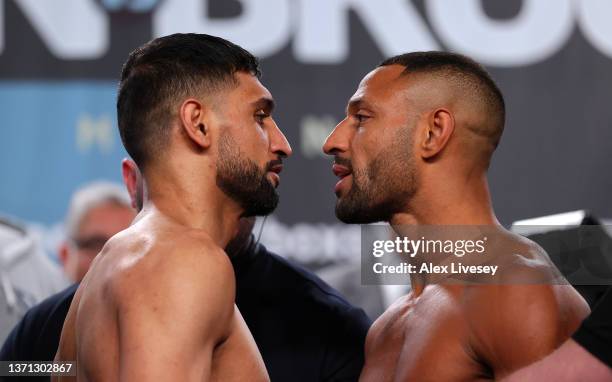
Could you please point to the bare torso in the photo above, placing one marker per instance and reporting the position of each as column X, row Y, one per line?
column 453, row 332
column 422, row 338
column 124, row 280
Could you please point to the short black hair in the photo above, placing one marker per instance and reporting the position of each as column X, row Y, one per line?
column 162, row 72
column 472, row 77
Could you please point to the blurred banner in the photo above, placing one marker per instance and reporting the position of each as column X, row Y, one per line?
column 60, row 61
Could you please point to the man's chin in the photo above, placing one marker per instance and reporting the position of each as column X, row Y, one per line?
column 257, row 212
column 260, row 207
column 273, row 178
column 358, row 215
column 351, row 216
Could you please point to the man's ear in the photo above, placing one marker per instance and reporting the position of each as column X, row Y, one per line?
column 131, row 176
column 438, row 130
column 62, row 253
column 193, row 116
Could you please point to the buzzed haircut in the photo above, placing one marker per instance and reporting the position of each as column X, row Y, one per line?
column 470, row 75
column 160, row 74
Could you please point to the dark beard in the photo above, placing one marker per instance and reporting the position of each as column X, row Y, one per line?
column 383, row 189
column 241, row 179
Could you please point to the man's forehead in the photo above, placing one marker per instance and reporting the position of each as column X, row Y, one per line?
column 380, row 82
column 250, row 86
column 383, row 76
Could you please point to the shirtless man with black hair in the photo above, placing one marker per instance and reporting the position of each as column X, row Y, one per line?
column 197, row 121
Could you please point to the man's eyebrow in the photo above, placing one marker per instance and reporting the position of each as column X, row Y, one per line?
column 357, row 103
column 264, row 103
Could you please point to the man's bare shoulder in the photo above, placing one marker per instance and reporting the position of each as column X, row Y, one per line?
column 167, row 292
column 147, row 263
column 527, row 278
column 529, row 306
column 521, row 261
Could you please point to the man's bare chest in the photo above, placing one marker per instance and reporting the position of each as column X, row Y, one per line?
column 421, row 343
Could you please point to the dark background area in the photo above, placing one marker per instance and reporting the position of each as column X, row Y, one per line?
column 554, row 156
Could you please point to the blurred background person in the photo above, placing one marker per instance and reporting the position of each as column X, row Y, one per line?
column 27, row 275
column 97, row 211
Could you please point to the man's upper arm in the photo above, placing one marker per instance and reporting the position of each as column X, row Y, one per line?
column 569, row 363
column 526, row 323
column 169, row 321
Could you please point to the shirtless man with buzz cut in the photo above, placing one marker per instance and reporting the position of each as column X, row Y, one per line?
column 197, row 121
column 414, row 150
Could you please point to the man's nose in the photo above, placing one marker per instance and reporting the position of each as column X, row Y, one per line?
column 279, row 143
column 337, row 141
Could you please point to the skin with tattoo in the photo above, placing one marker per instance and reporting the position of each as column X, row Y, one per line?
column 138, row 313
column 414, row 150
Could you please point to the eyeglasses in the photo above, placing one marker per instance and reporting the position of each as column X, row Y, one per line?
column 90, row 244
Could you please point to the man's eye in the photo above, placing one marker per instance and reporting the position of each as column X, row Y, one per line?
column 261, row 115
column 361, row 118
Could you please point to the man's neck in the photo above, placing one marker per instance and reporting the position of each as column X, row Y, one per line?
column 469, row 205
column 202, row 207
column 455, row 203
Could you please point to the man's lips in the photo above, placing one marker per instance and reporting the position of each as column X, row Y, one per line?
column 340, row 171
column 274, row 170
column 277, row 168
